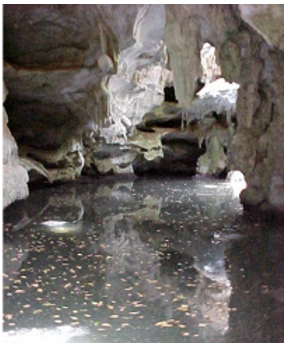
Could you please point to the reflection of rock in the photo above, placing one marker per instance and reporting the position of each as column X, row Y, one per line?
column 147, row 246
column 213, row 300
column 14, row 255
column 61, row 213
column 129, row 256
column 149, row 210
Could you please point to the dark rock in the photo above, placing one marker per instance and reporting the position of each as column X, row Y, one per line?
column 167, row 121
column 53, row 36
column 181, row 153
column 144, row 128
column 170, row 94
column 179, row 138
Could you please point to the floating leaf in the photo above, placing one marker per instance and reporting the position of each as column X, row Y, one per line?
column 164, row 324
column 183, row 308
column 202, row 325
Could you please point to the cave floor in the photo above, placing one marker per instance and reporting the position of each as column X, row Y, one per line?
column 141, row 260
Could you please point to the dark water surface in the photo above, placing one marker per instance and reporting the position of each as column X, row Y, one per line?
column 141, row 261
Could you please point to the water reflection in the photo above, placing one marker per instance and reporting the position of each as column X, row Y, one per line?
column 130, row 261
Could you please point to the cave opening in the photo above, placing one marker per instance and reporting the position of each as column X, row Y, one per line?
column 170, row 95
column 151, row 209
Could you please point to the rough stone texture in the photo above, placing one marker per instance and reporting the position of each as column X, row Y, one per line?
column 188, row 28
column 246, row 58
column 211, row 70
column 120, row 19
column 55, row 36
column 267, row 20
column 104, row 159
column 141, row 77
column 60, row 59
column 258, row 147
column 56, row 57
column 180, row 154
column 15, row 177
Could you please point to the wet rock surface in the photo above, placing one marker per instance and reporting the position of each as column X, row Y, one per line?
column 133, row 260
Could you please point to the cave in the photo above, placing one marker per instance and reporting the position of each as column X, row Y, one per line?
column 143, row 173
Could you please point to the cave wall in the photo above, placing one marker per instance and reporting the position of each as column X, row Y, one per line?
column 58, row 59
column 15, row 176
column 249, row 45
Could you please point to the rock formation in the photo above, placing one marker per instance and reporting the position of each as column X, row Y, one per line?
column 82, row 77
column 15, row 177
column 254, row 59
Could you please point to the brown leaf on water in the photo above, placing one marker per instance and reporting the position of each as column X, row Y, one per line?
column 183, row 308
column 164, row 324
column 98, row 304
column 128, row 289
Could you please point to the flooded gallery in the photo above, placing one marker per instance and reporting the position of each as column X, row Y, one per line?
column 143, row 173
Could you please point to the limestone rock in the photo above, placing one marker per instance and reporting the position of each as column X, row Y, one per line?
column 249, row 58
column 188, row 28
column 105, row 159
column 267, row 20
column 55, row 36
column 15, row 177
column 56, row 57
column 180, row 154
column 141, row 77
column 120, row 19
